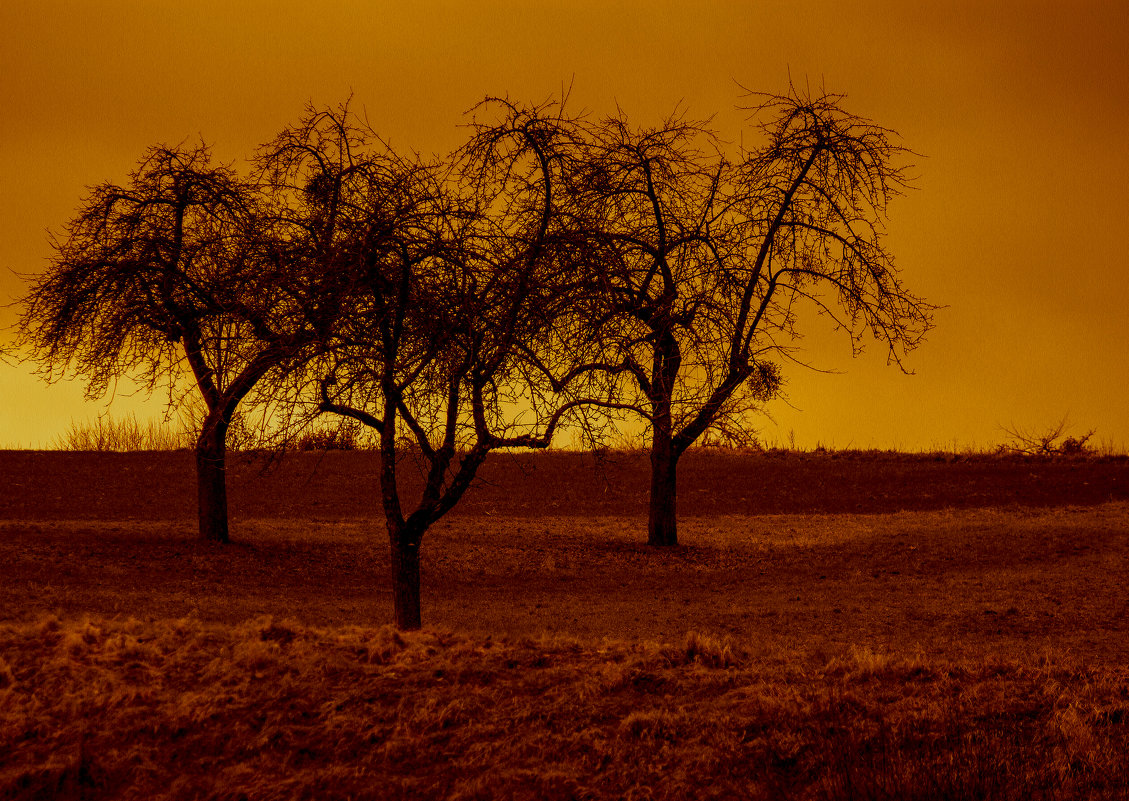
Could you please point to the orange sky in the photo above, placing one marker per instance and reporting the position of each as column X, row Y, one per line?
column 1020, row 108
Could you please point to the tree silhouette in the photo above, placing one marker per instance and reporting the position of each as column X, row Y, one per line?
column 453, row 272
column 171, row 275
column 706, row 262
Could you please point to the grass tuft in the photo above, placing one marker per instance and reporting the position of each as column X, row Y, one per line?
column 710, row 651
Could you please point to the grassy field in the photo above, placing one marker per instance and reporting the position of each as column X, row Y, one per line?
column 970, row 644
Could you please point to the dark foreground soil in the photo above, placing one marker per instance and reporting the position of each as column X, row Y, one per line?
column 806, row 553
column 54, row 485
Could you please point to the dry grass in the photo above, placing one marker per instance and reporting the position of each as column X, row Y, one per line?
column 181, row 709
column 123, row 434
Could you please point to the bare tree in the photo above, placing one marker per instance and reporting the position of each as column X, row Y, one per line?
column 707, row 261
column 171, row 275
column 454, row 272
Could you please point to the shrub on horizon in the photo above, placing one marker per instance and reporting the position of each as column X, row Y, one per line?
column 106, row 434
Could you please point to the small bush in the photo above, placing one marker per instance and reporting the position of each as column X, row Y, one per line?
column 348, row 436
column 1049, row 443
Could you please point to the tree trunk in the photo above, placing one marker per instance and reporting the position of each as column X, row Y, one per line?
column 211, row 481
column 662, row 526
column 405, row 585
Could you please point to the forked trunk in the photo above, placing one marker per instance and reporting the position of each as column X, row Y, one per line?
column 405, row 585
column 211, row 482
column 662, row 526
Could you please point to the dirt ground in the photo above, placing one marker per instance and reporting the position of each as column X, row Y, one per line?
column 807, row 553
column 56, row 485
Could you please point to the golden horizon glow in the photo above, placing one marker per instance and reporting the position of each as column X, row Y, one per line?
column 1019, row 109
